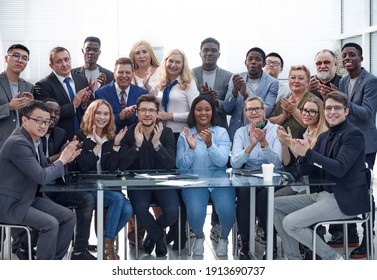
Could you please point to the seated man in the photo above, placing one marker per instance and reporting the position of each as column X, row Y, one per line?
column 148, row 145
column 20, row 200
column 338, row 156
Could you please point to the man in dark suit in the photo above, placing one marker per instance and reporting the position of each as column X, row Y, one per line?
column 121, row 94
column 338, row 156
column 69, row 89
column 20, row 201
column 97, row 75
column 361, row 88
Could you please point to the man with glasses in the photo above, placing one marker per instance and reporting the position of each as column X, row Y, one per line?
column 97, row 75
column 121, row 94
column 326, row 79
column 274, row 66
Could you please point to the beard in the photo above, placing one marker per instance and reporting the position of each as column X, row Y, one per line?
column 324, row 75
column 149, row 124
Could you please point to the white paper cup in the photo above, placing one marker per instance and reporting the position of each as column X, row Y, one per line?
column 268, row 171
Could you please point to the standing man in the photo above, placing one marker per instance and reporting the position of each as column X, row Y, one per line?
column 97, row 76
column 326, row 79
column 361, row 88
column 69, row 89
column 274, row 66
column 250, row 83
column 20, row 201
column 211, row 80
column 121, row 94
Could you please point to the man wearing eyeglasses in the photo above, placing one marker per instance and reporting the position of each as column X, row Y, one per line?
column 15, row 92
column 121, row 94
column 326, row 79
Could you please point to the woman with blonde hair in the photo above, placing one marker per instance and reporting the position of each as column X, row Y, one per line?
column 145, row 65
column 99, row 152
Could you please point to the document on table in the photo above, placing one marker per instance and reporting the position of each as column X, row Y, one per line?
column 154, row 177
column 260, row 175
column 180, row 183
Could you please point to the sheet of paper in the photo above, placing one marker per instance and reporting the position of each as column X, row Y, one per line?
column 180, row 183
column 261, row 175
column 154, row 177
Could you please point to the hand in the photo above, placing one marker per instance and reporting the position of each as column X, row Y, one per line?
column 120, row 136
column 206, row 136
column 127, row 112
column 253, row 139
column 164, row 116
column 139, row 134
column 288, row 105
column 70, row 153
column 324, row 90
column 208, row 91
column 81, row 97
column 91, row 83
column 300, row 146
column 148, row 75
column 101, row 79
column 157, row 134
column 239, row 86
column 285, row 137
column 191, row 140
column 96, row 137
column 17, row 102
column 314, row 84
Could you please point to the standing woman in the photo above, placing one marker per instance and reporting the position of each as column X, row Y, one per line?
column 206, row 145
column 99, row 152
column 145, row 66
column 176, row 91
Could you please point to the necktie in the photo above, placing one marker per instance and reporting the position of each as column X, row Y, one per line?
column 72, row 96
column 123, row 99
column 166, row 93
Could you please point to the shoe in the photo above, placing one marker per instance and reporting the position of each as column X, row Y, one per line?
column 222, row 247
column 198, row 249
column 337, row 240
column 148, row 245
column 140, row 244
column 83, row 256
column 360, row 252
column 23, row 254
column 215, row 233
column 339, row 257
column 244, row 251
column 161, row 249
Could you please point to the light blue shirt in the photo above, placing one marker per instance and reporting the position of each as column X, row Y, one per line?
column 258, row 155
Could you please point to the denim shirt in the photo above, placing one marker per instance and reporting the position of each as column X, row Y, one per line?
column 215, row 156
column 258, row 155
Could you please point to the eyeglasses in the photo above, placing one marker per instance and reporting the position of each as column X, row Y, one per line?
column 274, row 63
column 40, row 122
column 311, row 113
column 256, row 109
column 18, row 57
column 326, row 62
column 144, row 111
column 337, row 108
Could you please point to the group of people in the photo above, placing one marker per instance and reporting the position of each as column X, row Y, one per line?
column 147, row 115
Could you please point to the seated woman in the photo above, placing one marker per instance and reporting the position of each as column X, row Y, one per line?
column 254, row 144
column 201, row 146
column 99, row 151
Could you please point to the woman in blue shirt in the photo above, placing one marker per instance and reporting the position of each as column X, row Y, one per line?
column 205, row 145
column 254, row 144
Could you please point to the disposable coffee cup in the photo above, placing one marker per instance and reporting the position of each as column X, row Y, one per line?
column 268, row 171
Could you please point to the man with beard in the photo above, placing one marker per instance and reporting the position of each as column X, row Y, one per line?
column 326, row 79
column 250, row 83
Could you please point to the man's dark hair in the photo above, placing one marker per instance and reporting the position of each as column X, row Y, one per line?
column 18, row 46
column 256, row 49
column 93, row 39
column 57, row 50
column 274, row 54
column 35, row 104
column 354, row 45
column 123, row 61
column 337, row 96
column 148, row 98
column 210, row 40
column 191, row 117
column 50, row 99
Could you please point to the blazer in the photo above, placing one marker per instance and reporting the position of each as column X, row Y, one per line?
column 51, row 87
column 363, row 106
column 20, row 175
column 345, row 166
column 267, row 90
column 221, row 85
column 8, row 118
column 109, row 93
column 56, row 141
column 108, row 73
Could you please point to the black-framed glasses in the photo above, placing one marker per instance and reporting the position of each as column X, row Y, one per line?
column 18, row 57
column 256, row 109
column 40, row 122
column 337, row 108
column 145, row 110
column 274, row 63
column 311, row 113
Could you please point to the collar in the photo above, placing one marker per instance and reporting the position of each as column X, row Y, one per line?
column 61, row 78
column 118, row 90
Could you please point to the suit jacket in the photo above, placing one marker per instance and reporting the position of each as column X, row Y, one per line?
column 51, row 87
column 108, row 73
column 20, row 175
column 109, row 93
column 363, row 106
column 267, row 90
column 8, row 118
column 56, row 141
column 221, row 85
column 344, row 165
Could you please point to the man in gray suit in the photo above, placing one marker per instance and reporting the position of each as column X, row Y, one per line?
column 253, row 82
column 21, row 203
column 15, row 92
column 211, row 79
column 361, row 88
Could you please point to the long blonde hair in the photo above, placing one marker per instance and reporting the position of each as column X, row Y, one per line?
column 186, row 74
column 154, row 61
column 321, row 124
